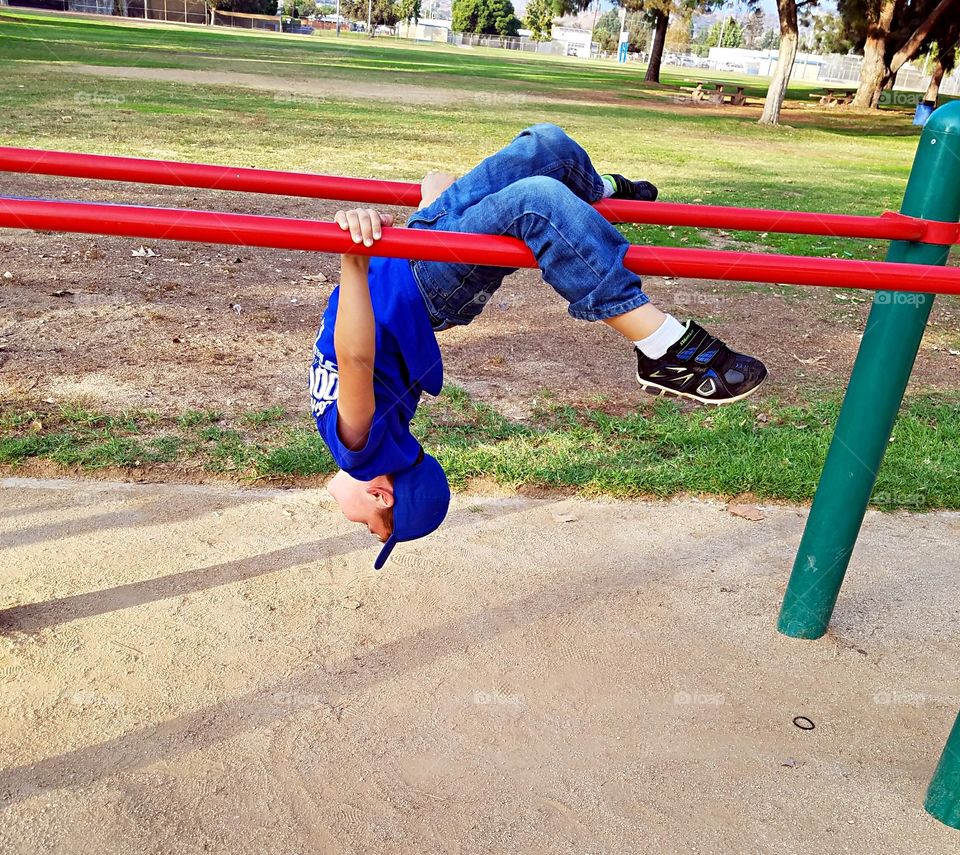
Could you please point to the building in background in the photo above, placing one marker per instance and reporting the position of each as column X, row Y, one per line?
column 577, row 42
column 426, row 30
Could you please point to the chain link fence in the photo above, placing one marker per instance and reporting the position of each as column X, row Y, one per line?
column 172, row 11
column 515, row 43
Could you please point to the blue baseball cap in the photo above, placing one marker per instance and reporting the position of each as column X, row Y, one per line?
column 421, row 496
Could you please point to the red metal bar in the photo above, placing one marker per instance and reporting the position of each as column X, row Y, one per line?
column 287, row 233
column 890, row 226
column 887, row 227
column 144, row 171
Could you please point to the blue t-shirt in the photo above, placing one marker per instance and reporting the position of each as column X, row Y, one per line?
column 407, row 363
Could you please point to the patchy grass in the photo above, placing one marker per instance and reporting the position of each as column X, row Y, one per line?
column 773, row 452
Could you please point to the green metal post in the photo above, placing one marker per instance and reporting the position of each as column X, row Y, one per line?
column 880, row 374
column 943, row 795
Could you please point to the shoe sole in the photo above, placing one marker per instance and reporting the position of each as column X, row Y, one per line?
column 663, row 391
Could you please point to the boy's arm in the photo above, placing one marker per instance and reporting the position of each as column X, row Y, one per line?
column 354, row 335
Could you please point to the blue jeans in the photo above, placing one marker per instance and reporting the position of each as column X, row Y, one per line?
column 538, row 189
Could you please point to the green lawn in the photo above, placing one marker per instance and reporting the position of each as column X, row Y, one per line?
column 819, row 160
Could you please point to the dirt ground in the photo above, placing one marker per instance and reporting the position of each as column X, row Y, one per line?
column 409, row 93
column 200, row 669
column 312, row 87
column 83, row 318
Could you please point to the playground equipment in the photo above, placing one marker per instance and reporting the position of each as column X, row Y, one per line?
column 921, row 234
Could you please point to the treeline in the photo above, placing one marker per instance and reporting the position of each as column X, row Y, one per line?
column 887, row 33
column 387, row 12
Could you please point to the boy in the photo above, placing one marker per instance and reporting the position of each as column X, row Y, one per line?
column 377, row 351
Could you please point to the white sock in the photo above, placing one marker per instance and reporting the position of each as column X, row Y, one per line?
column 658, row 343
column 609, row 188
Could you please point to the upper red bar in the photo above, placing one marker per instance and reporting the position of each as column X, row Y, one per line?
column 39, row 162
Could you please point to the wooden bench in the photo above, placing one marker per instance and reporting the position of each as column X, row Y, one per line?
column 834, row 97
column 720, row 94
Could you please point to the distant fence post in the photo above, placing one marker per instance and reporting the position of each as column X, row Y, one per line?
column 880, row 374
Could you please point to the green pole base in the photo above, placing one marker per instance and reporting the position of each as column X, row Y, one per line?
column 943, row 795
column 800, row 628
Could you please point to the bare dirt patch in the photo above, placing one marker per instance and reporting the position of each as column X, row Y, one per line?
column 318, row 88
column 84, row 317
column 325, row 87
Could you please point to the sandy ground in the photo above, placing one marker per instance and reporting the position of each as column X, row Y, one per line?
column 198, row 669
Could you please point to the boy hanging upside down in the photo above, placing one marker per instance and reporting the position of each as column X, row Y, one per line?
column 377, row 351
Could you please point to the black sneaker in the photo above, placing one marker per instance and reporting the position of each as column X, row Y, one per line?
column 702, row 368
column 642, row 191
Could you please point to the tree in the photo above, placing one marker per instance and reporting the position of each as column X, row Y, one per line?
column 770, row 40
column 569, row 7
column 407, row 10
column 539, row 19
column 606, row 33
column 753, row 29
column 296, row 8
column 491, row 17
column 729, row 31
column 829, row 35
column 658, row 13
column 946, row 51
column 635, row 23
column 891, row 33
column 381, row 11
column 250, row 7
column 789, row 38
column 680, row 32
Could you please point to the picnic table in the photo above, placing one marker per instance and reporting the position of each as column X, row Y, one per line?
column 835, row 97
column 721, row 93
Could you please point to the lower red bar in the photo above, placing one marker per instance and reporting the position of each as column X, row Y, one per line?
column 288, row 233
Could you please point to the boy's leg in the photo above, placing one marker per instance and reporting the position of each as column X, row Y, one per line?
column 457, row 293
column 579, row 253
column 544, row 150
column 581, row 256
